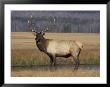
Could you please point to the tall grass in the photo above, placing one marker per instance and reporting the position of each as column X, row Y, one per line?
column 24, row 51
column 28, row 58
column 35, row 57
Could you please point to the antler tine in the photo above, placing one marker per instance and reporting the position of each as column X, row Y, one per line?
column 30, row 23
column 30, row 19
column 31, row 16
column 33, row 30
column 46, row 29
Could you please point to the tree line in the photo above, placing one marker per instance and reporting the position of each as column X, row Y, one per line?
column 78, row 22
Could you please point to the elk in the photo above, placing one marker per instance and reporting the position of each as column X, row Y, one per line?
column 58, row 48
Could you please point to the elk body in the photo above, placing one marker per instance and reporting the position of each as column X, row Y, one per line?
column 58, row 48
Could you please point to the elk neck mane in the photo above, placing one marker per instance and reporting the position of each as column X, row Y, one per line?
column 42, row 44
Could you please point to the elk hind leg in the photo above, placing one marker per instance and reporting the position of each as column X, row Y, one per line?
column 54, row 57
column 75, row 55
column 77, row 59
column 77, row 62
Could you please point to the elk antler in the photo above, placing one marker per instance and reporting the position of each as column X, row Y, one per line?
column 33, row 30
column 46, row 29
column 31, row 24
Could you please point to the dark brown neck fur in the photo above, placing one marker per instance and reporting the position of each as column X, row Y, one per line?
column 42, row 44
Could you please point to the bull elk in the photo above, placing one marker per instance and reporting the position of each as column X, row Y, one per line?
column 58, row 48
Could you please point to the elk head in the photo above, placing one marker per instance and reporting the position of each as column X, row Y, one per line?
column 39, row 35
column 40, row 40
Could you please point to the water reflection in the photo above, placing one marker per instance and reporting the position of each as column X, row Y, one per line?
column 61, row 67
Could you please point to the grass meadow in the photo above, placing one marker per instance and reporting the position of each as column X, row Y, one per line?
column 24, row 53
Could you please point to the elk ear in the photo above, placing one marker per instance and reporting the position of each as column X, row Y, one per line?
column 42, row 33
column 34, row 33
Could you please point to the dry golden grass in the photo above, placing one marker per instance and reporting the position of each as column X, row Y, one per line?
column 24, row 52
column 25, row 40
column 28, row 57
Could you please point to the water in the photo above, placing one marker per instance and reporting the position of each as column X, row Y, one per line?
column 61, row 67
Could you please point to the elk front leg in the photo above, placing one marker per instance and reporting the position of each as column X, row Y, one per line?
column 51, row 61
column 54, row 60
column 54, row 57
